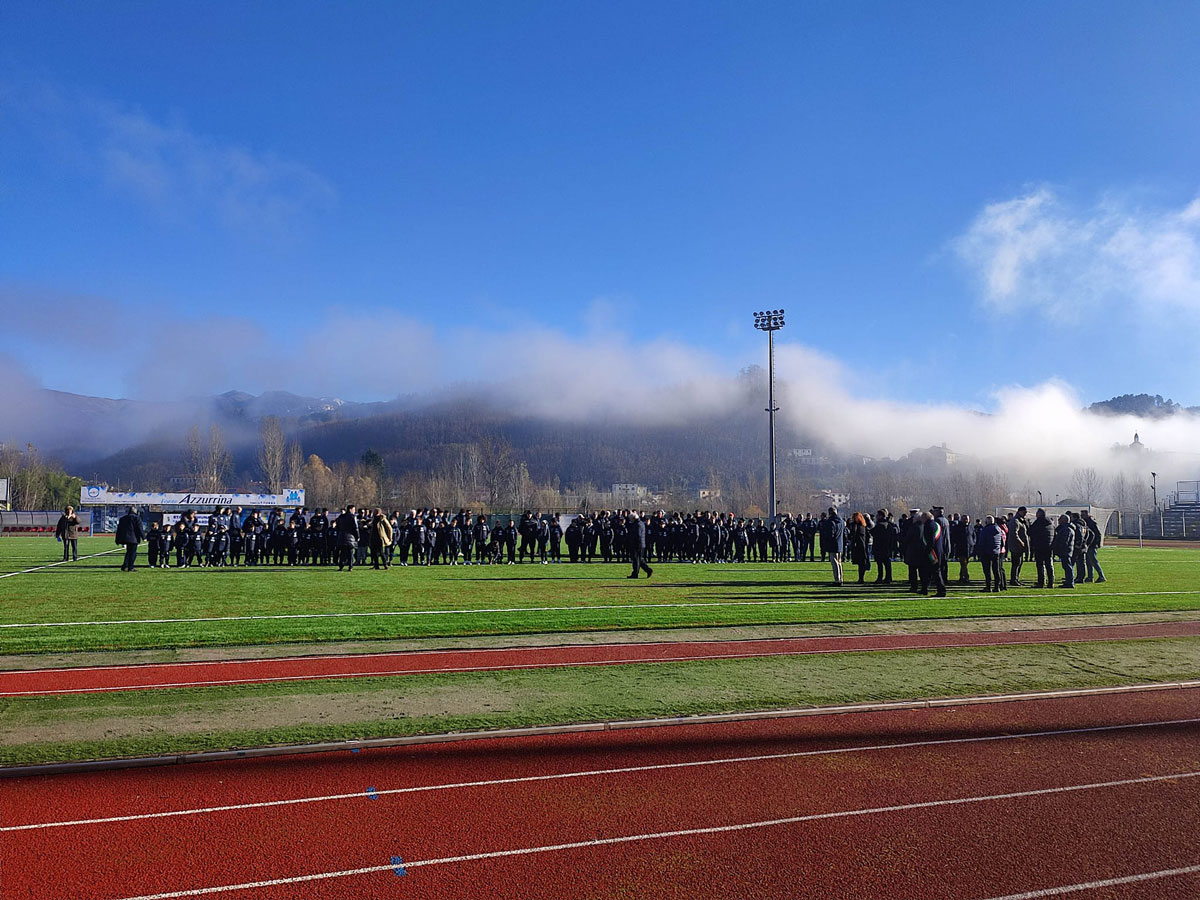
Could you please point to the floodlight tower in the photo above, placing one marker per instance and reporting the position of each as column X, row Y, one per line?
column 770, row 321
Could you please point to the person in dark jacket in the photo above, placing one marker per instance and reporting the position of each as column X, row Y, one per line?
column 1018, row 544
column 129, row 533
column 1041, row 540
column 860, row 542
column 883, row 545
column 67, row 531
column 943, row 546
column 933, row 544
column 833, row 542
column 988, row 546
column 510, row 542
column 1064, row 548
column 913, row 547
column 962, row 546
column 1083, row 535
column 1095, row 542
column 635, row 537
column 556, row 536
column 348, row 536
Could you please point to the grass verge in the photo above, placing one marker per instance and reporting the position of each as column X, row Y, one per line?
column 35, row 730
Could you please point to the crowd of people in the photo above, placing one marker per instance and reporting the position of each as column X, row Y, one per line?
column 926, row 541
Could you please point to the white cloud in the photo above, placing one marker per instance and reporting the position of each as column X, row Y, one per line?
column 169, row 168
column 1035, row 251
column 605, row 374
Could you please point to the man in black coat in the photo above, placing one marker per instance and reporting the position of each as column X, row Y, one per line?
column 1041, row 542
column 348, row 537
column 1064, row 548
column 635, row 536
column 962, row 547
column 129, row 533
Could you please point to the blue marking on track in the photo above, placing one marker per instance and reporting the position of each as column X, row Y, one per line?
column 372, row 793
column 355, row 749
column 398, row 866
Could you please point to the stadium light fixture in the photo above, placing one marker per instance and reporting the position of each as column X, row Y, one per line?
column 770, row 321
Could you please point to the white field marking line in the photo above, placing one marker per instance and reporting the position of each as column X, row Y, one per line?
column 1093, row 885
column 387, row 673
column 662, row 835
column 59, row 563
column 529, row 609
column 600, row 646
column 591, row 773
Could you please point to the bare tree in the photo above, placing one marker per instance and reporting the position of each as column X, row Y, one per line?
column 195, row 458
column 27, row 483
column 1118, row 492
column 295, row 465
column 1086, row 484
column 217, row 461
column 272, row 456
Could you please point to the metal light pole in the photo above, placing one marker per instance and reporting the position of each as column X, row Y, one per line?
column 770, row 321
column 1154, row 487
column 1040, row 499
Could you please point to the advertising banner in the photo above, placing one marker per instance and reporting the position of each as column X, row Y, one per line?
column 102, row 496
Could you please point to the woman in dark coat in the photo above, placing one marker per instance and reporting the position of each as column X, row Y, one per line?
column 860, row 540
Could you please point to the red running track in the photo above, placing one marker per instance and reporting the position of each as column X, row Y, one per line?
column 1015, row 800
column 197, row 674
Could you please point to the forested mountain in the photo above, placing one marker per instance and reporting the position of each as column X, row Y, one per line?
column 1143, row 405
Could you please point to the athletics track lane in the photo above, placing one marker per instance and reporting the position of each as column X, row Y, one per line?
column 1083, row 827
column 197, row 674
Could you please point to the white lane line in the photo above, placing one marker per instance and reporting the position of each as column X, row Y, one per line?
column 662, row 835
column 1093, row 885
column 591, row 773
column 61, row 562
column 387, row 673
column 643, row 607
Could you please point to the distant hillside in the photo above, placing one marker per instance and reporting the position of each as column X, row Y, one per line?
column 1143, row 405
column 429, row 438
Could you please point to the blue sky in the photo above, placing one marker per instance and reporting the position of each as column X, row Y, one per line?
column 363, row 200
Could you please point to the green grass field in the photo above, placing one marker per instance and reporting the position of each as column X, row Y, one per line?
column 110, row 611
column 482, row 600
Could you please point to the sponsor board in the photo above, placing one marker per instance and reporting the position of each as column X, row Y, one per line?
column 93, row 495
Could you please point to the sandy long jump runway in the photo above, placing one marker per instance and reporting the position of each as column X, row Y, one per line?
column 1090, row 797
column 198, row 674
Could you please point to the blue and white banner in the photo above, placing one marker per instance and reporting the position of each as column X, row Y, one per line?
column 102, row 496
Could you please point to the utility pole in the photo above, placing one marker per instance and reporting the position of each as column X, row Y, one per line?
column 770, row 321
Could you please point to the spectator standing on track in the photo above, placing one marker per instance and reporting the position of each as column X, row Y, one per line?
column 1095, row 542
column 1064, row 548
column 129, row 533
column 67, row 531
